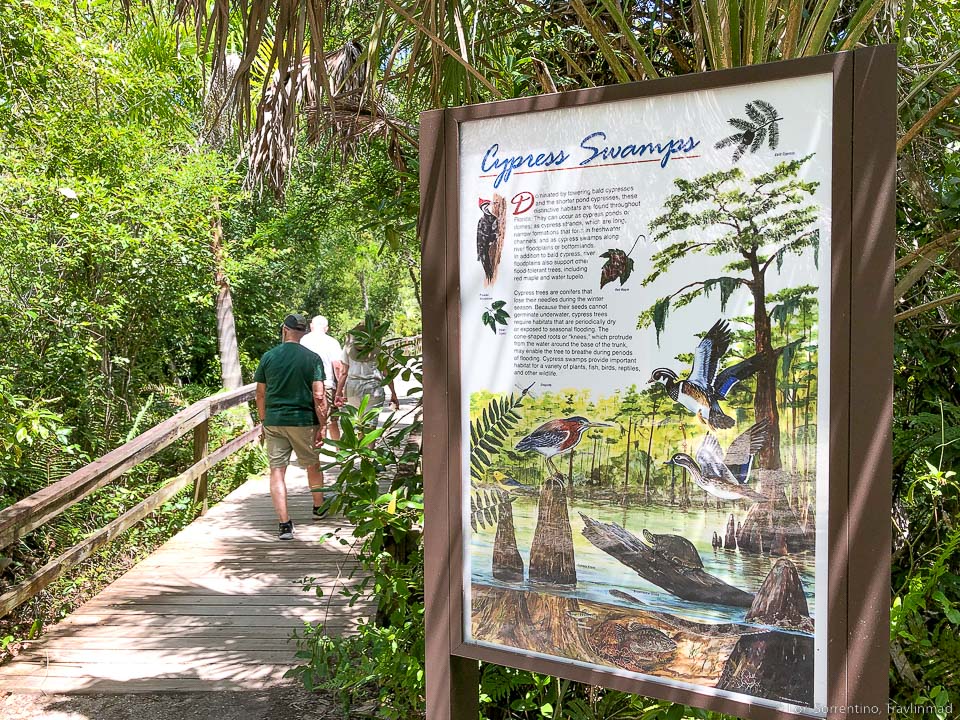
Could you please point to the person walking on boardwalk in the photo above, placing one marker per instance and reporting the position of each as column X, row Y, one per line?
column 292, row 403
column 362, row 378
column 330, row 351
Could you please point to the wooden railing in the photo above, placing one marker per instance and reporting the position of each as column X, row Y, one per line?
column 30, row 513
column 412, row 345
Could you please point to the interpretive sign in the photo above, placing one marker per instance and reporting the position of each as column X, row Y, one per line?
column 650, row 477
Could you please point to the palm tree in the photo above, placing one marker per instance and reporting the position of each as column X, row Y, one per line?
column 295, row 60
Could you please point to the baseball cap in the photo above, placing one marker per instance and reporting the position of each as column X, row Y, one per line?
column 296, row 321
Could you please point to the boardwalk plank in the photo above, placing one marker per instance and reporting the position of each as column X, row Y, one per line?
column 213, row 609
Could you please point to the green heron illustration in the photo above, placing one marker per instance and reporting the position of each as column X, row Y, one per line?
column 725, row 475
column 558, row 436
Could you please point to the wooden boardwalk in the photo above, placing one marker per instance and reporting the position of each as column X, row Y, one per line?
column 212, row 609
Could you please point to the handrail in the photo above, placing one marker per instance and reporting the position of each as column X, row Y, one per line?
column 28, row 514
column 413, row 344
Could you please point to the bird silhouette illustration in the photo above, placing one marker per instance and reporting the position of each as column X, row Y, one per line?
column 725, row 475
column 703, row 388
column 558, row 436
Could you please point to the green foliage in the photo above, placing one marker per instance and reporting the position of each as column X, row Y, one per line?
column 510, row 694
column 495, row 315
column 385, row 660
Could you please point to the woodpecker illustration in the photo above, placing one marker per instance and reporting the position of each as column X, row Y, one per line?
column 558, row 436
column 490, row 232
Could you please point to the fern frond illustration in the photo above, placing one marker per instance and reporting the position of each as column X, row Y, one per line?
column 489, row 431
column 485, row 504
column 761, row 126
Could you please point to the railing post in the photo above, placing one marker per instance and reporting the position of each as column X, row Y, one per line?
column 201, row 434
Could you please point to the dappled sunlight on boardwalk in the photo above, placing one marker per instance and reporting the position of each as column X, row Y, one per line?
column 212, row 609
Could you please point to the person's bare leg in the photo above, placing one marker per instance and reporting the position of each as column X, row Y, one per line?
column 333, row 429
column 278, row 492
column 315, row 481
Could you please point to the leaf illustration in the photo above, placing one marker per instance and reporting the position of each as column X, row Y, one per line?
column 754, row 114
column 760, row 128
column 490, row 430
column 617, row 267
column 495, row 315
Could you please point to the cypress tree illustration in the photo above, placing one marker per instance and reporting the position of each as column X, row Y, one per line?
column 762, row 219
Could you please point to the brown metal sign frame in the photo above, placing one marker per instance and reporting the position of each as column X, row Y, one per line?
column 861, row 391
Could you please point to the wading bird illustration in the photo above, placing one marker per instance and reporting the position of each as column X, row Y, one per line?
column 725, row 475
column 558, row 436
column 701, row 391
column 490, row 233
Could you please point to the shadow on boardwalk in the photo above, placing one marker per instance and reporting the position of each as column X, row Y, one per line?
column 212, row 609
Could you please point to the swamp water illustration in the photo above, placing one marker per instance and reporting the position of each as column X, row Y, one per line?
column 668, row 528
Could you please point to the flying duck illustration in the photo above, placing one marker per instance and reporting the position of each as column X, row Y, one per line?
column 701, row 391
column 558, row 436
column 490, row 232
column 725, row 475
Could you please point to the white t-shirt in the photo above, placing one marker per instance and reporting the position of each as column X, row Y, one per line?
column 328, row 349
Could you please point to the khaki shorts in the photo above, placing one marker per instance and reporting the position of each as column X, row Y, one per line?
column 281, row 440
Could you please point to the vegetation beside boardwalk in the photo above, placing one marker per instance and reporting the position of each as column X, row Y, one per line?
column 123, row 218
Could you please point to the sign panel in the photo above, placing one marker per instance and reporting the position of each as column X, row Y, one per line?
column 644, row 299
column 662, row 305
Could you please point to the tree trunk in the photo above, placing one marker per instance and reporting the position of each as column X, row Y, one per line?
column 646, row 479
column 570, row 476
column 765, row 397
column 626, row 465
column 684, row 497
column 593, row 464
column 229, row 350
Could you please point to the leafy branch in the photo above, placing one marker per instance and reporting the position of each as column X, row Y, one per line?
column 761, row 126
column 657, row 313
column 495, row 315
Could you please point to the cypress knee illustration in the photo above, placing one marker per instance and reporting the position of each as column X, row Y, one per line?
column 774, row 664
column 507, row 563
column 730, row 538
column 551, row 551
column 493, row 503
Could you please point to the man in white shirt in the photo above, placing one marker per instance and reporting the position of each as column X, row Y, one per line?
column 331, row 353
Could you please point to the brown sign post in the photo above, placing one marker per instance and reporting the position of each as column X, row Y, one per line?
column 817, row 586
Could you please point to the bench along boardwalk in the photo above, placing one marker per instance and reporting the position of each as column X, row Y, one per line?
column 212, row 609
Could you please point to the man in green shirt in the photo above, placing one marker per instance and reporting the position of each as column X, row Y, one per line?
column 292, row 404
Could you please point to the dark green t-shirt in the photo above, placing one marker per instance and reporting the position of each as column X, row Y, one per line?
column 289, row 371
